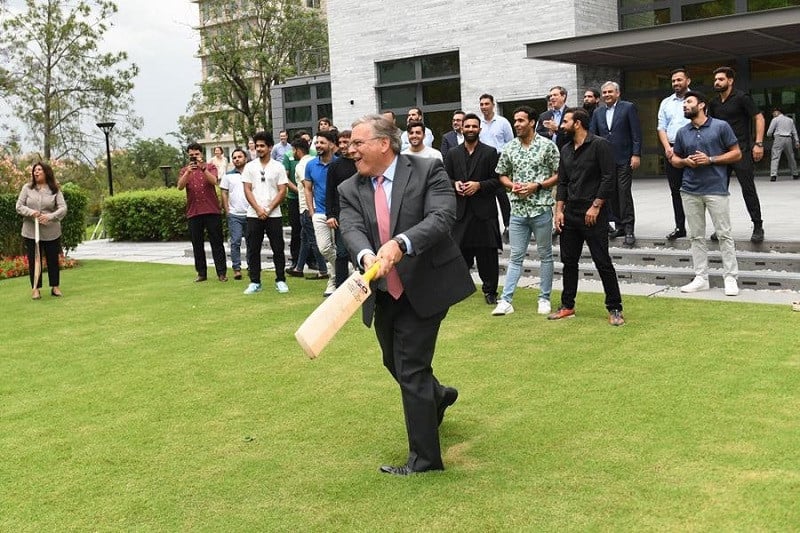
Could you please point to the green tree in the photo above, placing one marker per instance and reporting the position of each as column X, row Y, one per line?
column 58, row 81
column 248, row 51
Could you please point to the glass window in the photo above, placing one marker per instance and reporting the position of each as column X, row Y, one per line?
column 323, row 91
column 297, row 94
column 403, row 97
column 394, row 71
column 325, row 110
column 645, row 19
column 441, row 92
column 298, row 114
column 715, row 8
column 760, row 5
column 440, row 65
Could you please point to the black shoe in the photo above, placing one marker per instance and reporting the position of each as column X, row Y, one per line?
column 796, row 176
column 449, row 398
column 200, row 279
column 773, row 178
column 491, row 298
column 713, row 237
column 758, row 234
column 616, row 233
column 676, row 234
column 294, row 273
column 397, row 470
column 630, row 240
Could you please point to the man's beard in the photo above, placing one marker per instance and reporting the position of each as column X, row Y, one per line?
column 720, row 89
column 690, row 114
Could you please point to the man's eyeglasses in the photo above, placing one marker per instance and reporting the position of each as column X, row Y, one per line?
column 358, row 143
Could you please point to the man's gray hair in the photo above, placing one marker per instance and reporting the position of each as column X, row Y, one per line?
column 383, row 129
column 611, row 83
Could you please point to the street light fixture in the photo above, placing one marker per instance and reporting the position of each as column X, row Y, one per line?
column 165, row 169
column 107, row 127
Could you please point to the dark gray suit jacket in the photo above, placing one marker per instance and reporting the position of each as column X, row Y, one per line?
column 423, row 208
column 625, row 135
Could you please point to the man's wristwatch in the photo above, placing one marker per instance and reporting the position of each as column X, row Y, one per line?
column 711, row 160
column 401, row 243
column 759, row 144
column 596, row 206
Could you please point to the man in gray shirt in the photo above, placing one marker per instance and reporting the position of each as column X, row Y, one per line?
column 784, row 132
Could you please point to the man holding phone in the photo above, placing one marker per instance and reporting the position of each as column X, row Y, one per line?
column 203, row 212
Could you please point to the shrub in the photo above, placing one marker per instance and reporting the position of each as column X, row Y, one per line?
column 155, row 215
column 72, row 227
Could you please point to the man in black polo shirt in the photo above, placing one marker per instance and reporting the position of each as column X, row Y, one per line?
column 738, row 109
column 585, row 182
column 338, row 171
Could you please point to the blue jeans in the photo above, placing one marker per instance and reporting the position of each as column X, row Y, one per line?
column 237, row 224
column 519, row 236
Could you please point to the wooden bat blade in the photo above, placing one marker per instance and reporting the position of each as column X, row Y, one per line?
column 321, row 325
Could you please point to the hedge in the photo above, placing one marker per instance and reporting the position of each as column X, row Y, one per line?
column 72, row 227
column 154, row 215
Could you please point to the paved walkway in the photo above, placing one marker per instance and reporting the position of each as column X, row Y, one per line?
column 780, row 205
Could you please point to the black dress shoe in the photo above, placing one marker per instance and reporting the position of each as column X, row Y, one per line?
column 630, row 240
column 397, row 470
column 491, row 299
column 616, row 233
column 676, row 234
column 713, row 237
column 198, row 279
column 449, row 398
column 773, row 178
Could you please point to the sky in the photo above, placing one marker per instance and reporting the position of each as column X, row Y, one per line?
column 159, row 37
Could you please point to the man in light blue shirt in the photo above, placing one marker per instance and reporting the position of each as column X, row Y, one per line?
column 495, row 129
column 670, row 120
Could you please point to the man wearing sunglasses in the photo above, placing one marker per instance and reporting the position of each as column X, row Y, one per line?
column 265, row 185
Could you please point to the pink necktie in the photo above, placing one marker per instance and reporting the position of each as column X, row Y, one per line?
column 382, row 212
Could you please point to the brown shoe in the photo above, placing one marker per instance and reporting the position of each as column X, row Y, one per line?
column 222, row 277
column 36, row 295
column 198, row 279
column 55, row 291
column 237, row 274
column 562, row 312
column 615, row 318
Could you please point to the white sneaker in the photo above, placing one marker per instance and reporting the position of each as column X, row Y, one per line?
column 503, row 308
column 281, row 287
column 544, row 307
column 253, row 288
column 697, row 284
column 330, row 288
column 731, row 287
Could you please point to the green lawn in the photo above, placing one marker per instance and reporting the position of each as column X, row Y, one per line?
column 143, row 401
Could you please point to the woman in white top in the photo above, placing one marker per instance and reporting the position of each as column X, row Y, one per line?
column 219, row 160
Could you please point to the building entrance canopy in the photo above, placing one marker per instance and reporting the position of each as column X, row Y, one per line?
column 717, row 39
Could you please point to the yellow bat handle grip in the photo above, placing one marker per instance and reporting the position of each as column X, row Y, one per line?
column 371, row 271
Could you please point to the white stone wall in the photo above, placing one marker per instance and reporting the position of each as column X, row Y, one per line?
column 490, row 37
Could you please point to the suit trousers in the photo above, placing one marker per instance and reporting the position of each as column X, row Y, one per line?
column 256, row 229
column 488, row 265
column 745, row 170
column 574, row 233
column 407, row 342
column 49, row 251
column 622, row 201
column 675, row 179
column 212, row 223
column 782, row 145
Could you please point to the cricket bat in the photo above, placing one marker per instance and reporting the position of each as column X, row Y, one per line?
column 37, row 269
column 321, row 325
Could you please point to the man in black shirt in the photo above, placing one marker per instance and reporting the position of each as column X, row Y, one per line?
column 738, row 109
column 585, row 182
column 471, row 167
column 338, row 171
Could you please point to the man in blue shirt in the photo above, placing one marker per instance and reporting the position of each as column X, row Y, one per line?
column 703, row 149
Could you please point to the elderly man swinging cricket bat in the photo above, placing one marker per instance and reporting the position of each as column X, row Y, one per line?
column 397, row 212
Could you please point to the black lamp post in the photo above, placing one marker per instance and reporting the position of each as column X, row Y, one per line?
column 165, row 169
column 107, row 127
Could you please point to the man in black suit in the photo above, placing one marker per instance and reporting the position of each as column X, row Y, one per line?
column 550, row 121
column 398, row 211
column 618, row 122
column 471, row 168
column 453, row 138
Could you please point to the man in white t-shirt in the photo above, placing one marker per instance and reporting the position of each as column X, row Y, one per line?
column 416, row 136
column 235, row 204
column 415, row 115
column 265, row 184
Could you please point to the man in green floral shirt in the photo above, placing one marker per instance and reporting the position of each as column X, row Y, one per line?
column 528, row 169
